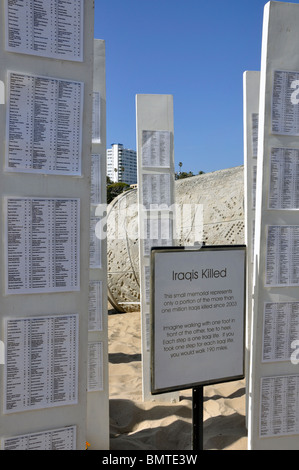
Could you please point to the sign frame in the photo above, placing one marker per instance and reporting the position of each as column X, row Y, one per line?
column 212, row 380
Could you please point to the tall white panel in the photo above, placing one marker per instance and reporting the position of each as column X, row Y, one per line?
column 251, row 88
column 274, row 379
column 46, row 57
column 98, row 380
column 155, row 167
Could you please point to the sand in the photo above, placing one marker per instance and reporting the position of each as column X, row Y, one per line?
column 138, row 425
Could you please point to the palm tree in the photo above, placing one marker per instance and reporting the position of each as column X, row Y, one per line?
column 180, row 165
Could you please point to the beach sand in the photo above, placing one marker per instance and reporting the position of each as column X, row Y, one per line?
column 138, row 425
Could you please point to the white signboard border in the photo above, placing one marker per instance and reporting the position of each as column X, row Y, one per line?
column 212, row 380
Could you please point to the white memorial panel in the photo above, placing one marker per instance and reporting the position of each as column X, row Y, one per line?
column 251, row 85
column 279, row 406
column 56, row 439
column 41, row 367
column 156, row 149
column 98, row 380
column 273, row 381
column 156, row 191
column 95, row 310
column 95, row 245
column 282, row 256
column 157, row 231
column 45, row 28
column 155, row 163
column 96, row 118
column 95, row 367
column 284, row 179
column 96, row 180
column 46, row 58
column 281, row 329
column 285, row 113
column 44, row 124
column 42, row 245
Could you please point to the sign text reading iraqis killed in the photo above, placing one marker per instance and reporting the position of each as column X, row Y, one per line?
column 197, row 313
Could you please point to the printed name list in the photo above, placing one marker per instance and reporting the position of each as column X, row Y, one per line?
column 42, row 245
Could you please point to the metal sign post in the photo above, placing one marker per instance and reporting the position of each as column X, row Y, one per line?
column 197, row 418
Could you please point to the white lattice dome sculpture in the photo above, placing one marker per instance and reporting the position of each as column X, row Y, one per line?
column 221, row 195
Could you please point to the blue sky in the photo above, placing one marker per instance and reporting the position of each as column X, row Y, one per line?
column 197, row 51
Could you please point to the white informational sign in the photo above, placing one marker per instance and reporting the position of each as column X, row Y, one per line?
column 44, row 124
column 41, row 367
column 45, row 28
column 197, row 316
column 42, row 255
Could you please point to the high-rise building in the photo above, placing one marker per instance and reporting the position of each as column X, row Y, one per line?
column 122, row 164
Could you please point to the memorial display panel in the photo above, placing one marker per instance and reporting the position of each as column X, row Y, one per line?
column 97, row 373
column 41, row 368
column 42, row 245
column 156, row 149
column 198, row 316
column 95, row 310
column 281, row 329
column 96, row 180
column 282, row 255
column 156, row 191
column 56, row 439
column 284, row 179
column 273, row 381
column 45, row 28
column 279, row 405
column 44, row 124
column 47, row 69
column 96, row 118
column 156, row 218
column 95, row 244
column 95, row 366
column 285, row 112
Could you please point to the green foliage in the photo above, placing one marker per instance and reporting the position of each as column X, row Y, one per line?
column 183, row 174
column 114, row 189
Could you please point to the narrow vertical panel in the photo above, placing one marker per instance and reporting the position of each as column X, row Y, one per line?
column 273, row 421
column 46, row 58
column 251, row 88
column 98, row 380
column 155, row 171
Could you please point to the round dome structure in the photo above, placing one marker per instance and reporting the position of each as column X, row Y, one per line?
column 220, row 197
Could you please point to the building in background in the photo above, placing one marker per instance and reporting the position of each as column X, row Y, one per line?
column 122, row 164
